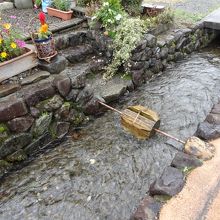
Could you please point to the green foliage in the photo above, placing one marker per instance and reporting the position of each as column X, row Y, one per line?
column 128, row 33
column 110, row 13
column 38, row 3
column 63, row 5
column 3, row 128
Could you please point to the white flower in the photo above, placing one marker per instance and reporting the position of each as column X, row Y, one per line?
column 105, row 4
column 93, row 18
column 92, row 161
column 109, row 21
column 118, row 17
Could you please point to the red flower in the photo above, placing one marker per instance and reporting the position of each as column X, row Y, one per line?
column 42, row 18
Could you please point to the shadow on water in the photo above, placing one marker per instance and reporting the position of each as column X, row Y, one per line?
column 105, row 174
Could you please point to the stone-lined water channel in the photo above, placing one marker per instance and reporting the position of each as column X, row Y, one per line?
column 106, row 173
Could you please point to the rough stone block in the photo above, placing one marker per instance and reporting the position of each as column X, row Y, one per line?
column 51, row 104
column 213, row 119
column 148, row 209
column 11, row 108
column 57, row 65
column 78, row 53
column 62, row 84
column 20, row 124
column 182, row 160
column 38, row 92
column 170, row 183
column 62, row 129
column 208, row 131
column 138, row 77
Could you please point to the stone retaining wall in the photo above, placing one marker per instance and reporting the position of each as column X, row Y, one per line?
column 38, row 110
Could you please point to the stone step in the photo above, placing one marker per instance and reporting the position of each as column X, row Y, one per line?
column 8, row 89
column 62, row 25
column 35, row 77
column 79, row 71
column 78, row 53
column 78, row 11
column 109, row 90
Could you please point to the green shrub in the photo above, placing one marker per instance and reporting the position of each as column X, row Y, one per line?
column 128, row 34
column 63, row 5
column 110, row 13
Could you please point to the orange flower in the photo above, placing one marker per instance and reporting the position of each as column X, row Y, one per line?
column 44, row 28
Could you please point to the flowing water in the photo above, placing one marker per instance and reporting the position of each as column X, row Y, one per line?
column 106, row 173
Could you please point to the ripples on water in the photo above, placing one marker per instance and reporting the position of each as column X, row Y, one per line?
column 64, row 184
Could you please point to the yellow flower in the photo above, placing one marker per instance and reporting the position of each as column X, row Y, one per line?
column 4, row 54
column 7, row 26
column 44, row 28
column 13, row 45
column 1, row 40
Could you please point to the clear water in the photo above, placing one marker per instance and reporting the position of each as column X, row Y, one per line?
column 104, row 174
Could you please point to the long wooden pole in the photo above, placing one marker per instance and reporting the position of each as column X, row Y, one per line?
column 157, row 130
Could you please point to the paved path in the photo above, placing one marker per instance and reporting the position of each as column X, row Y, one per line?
column 213, row 20
column 200, row 198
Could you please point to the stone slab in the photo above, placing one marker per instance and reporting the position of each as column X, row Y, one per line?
column 213, row 20
column 35, row 77
column 8, row 89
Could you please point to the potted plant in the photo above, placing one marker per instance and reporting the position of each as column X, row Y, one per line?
column 15, row 55
column 43, row 39
column 60, row 9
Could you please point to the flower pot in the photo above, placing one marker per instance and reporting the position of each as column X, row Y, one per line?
column 45, row 48
column 18, row 64
column 64, row 15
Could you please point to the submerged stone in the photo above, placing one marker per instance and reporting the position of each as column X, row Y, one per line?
column 14, row 143
column 19, row 155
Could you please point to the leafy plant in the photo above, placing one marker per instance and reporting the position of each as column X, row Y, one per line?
column 11, row 43
column 128, row 33
column 37, row 2
column 110, row 13
column 63, row 5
